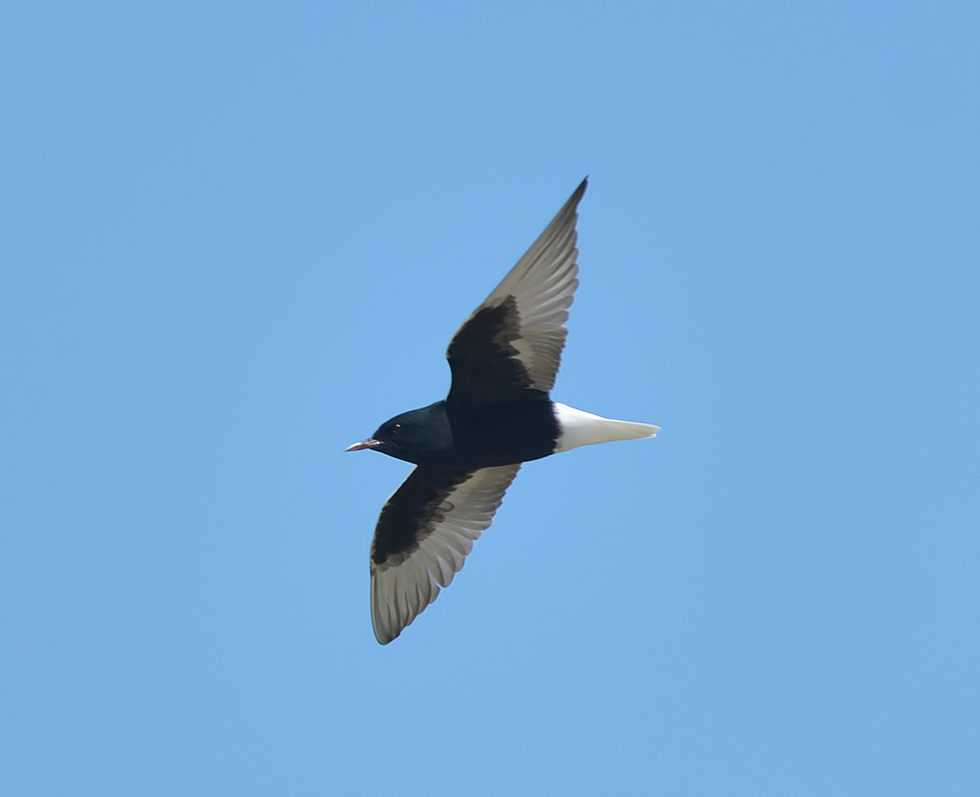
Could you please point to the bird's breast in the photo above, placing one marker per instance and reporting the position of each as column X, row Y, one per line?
column 503, row 434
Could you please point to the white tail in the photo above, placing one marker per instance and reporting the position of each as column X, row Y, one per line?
column 580, row 428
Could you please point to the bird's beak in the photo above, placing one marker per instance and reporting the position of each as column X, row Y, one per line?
column 369, row 443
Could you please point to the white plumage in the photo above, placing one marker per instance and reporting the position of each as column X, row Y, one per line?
column 580, row 428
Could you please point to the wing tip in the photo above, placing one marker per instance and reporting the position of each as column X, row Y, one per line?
column 577, row 195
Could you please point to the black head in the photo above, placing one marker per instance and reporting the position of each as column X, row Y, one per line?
column 416, row 436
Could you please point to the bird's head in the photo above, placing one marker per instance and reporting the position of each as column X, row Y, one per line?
column 414, row 436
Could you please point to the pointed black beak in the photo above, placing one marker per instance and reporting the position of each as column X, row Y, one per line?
column 369, row 443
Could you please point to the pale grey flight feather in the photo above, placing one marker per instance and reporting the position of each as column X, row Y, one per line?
column 404, row 584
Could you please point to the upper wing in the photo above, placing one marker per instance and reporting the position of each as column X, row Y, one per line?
column 511, row 345
column 423, row 536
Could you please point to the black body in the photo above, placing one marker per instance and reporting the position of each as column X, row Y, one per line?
column 470, row 438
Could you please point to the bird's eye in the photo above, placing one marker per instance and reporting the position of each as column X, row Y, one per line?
column 395, row 428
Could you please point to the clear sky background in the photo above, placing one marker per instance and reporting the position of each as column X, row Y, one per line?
column 237, row 237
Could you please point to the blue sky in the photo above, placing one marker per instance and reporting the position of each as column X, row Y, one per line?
column 237, row 237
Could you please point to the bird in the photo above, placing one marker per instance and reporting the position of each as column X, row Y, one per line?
column 498, row 414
